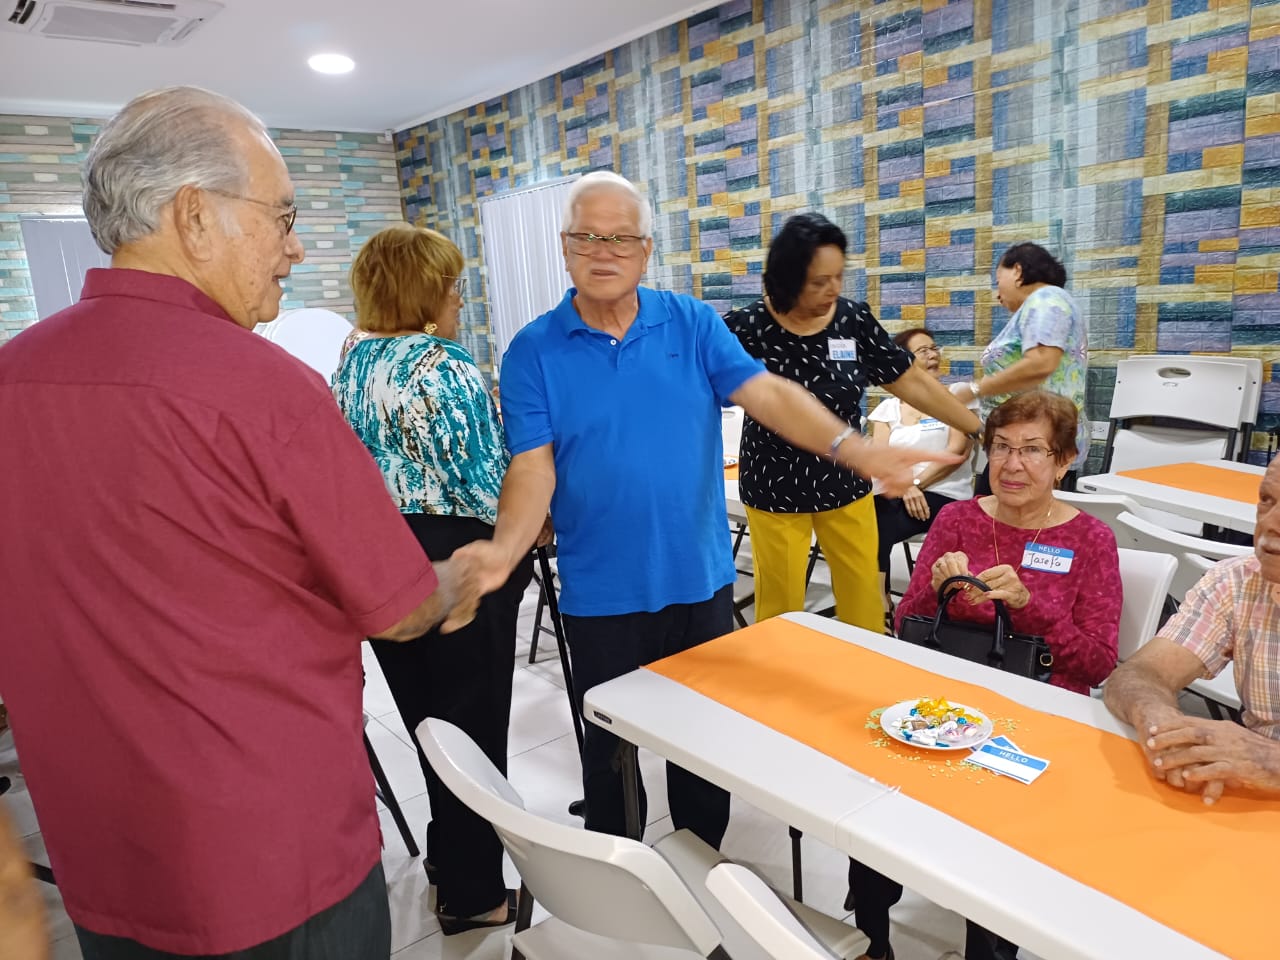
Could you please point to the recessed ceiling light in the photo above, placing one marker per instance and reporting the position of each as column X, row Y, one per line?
column 331, row 63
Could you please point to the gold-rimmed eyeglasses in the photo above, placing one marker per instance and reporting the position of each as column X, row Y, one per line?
column 286, row 214
column 459, row 285
column 618, row 244
column 928, row 349
column 1030, row 454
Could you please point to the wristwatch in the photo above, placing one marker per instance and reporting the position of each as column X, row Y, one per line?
column 916, row 481
column 974, row 388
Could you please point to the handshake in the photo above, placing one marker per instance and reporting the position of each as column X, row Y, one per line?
column 472, row 571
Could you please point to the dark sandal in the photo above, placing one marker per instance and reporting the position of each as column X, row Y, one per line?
column 453, row 925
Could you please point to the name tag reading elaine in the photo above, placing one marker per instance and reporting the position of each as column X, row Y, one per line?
column 1040, row 556
column 842, row 349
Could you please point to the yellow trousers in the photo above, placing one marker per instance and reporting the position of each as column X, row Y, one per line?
column 848, row 537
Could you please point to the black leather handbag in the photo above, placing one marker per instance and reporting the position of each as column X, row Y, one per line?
column 996, row 645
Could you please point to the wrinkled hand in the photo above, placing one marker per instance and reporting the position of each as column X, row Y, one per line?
column 1005, row 585
column 1210, row 755
column 915, row 503
column 892, row 467
column 459, row 590
column 955, row 564
column 546, row 534
column 488, row 564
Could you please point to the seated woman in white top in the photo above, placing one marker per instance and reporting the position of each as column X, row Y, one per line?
column 900, row 425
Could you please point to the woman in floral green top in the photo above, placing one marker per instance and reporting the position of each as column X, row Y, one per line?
column 1044, row 346
column 419, row 403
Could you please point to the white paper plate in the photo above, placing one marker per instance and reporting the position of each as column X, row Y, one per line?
column 889, row 720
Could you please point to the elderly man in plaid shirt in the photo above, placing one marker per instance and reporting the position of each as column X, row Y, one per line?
column 1231, row 616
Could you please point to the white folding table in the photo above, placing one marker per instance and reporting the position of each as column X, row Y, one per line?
column 953, row 864
column 1201, row 507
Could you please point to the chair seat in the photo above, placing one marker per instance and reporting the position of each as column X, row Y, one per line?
column 1221, row 689
column 692, row 860
column 554, row 939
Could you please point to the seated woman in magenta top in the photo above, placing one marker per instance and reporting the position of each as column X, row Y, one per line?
column 1055, row 568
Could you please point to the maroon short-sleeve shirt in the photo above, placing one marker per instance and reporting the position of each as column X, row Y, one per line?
column 193, row 545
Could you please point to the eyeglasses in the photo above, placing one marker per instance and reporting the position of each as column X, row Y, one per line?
column 618, row 244
column 286, row 218
column 1033, row 455
column 931, row 348
column 459, row 285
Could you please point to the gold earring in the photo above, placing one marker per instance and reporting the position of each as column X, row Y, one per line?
column 429, row 328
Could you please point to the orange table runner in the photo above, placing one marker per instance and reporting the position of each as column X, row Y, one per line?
column 731, row 473
column 1094, row 815
column 1202, row 478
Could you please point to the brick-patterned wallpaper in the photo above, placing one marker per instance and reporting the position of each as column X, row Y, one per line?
column 347, row 189
column 1138, row 139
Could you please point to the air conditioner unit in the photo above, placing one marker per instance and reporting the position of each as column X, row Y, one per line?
column 138, row 23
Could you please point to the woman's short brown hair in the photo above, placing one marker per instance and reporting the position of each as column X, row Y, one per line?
column 1032, row 405
column 403, row 277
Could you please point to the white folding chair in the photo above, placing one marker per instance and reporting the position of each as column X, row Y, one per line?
column 765, row 918
column 609, row 897
column 1100, row 506
column 1145, row 578
column 1219, row 693
column 313, row 335
column 1206, row 398
column 1141, row 534
column 1252, row 392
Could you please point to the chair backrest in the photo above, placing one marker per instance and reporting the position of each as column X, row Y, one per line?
column 1146, row 578
column 762, row 915
column 1140, row 534
column 731, row 429
column 1209, row 397
column 1101, row 506
column 610, row 886
column 312, row 335
column 1253, row 370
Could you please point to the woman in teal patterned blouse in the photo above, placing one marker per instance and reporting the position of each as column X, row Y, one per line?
column 419, row 403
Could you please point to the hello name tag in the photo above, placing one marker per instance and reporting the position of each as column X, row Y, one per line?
column 930, row 423
column 1040, row 556
column 842, row 349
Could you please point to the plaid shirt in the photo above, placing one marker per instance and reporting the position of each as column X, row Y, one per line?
column 1233, row 616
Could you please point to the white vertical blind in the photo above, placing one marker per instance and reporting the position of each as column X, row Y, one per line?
column 524, row 266
column 60, row 250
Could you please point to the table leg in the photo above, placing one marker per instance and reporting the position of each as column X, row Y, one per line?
column 631, row 788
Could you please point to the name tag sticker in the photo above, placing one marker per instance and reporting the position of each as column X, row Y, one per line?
column 842, row 349
column 931, row 423
column 1041, row 556
column 1009, row 763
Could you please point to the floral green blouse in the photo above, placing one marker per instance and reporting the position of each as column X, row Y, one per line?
column 422, row 408
column 1049, row 317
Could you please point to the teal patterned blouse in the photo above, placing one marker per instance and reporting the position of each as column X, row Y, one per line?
column 422, row 408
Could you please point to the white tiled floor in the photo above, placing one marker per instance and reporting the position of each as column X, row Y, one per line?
column 544, row 769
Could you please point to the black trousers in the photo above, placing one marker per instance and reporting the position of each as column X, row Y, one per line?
column 874, row 895
column 356, row 928
column 601, row 648
column 895, row 524
column 463, row 677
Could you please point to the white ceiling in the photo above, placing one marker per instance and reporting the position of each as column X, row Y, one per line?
column 414, row 61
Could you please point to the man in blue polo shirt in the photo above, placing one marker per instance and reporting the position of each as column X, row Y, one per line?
column 611, row 403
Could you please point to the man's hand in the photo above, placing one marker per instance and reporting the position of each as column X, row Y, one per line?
column 488, row 564
column 1210, row 755
column 892, row 467
column 954, row 564
column 459, row 590
column 1005, row 585
column 915, row 504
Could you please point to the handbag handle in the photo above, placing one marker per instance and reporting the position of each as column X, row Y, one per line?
column 1003, row 624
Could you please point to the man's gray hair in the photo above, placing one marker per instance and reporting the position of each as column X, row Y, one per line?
column 602, row 179
column 161, row 141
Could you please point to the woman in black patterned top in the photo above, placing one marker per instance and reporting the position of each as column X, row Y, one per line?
column 805, row 331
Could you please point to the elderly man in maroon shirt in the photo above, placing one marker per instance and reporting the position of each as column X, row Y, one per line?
column 194, row 544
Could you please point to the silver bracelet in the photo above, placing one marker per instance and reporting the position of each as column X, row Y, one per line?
column 844, row 435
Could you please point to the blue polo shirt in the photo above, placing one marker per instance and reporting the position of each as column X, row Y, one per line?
column 635, row 427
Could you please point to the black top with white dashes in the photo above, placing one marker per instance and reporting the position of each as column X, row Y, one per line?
column 774, row 475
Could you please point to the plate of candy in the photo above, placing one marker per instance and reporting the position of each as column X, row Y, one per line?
column 936, row 724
